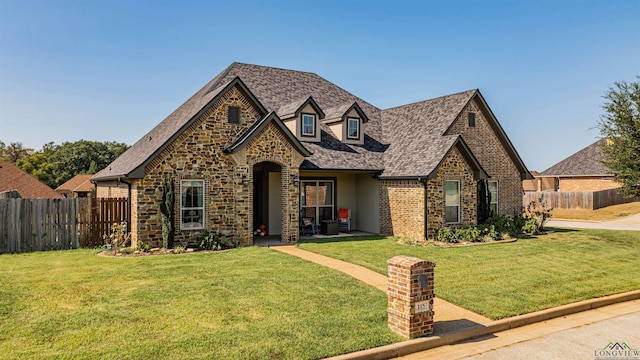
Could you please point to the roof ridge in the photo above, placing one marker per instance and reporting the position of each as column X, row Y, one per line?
column 273, row 67
column 433, row 99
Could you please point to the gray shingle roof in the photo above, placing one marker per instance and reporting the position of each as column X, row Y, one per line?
column 416, row 131
column 584, row 162
column 405, row 141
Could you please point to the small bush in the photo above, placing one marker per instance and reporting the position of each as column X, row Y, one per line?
column 214, row 241
column 469, row 234
column 531, row 227
column 538, row 210
column 143, row 247
column 502, row 224
column 178, row 249
column 445, row 234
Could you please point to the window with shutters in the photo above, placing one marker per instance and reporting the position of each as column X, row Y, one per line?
column 233, row 114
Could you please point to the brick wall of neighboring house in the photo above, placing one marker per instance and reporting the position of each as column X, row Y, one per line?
column 197, row 154
column 111, row 189
column 402, row 211
column 402, row 208
column 493, row 157
column 453, row 167
column 587, row 183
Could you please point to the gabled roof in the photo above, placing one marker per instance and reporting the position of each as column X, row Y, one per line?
column 255, row 129
column 586, row 162
column 337, row 113
column 78, row 183
column 415, row 134
column 132, row 162
column 410, row 139
column 14, row 178
column 293, row 109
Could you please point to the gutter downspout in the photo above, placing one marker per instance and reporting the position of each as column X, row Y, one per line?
column 424, row 205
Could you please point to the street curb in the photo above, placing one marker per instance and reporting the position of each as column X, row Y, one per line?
column 421, row 344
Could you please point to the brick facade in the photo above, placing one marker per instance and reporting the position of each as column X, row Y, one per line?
column 197, row 154
column 402, row 202
column 587, row 183
column 493, row 156
column 112, row 189
column 402, row 208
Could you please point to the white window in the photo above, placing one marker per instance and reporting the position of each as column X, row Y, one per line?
column 353, row 128
column 452, row 202
column 493, row 193
column 316, row 199
column 308, row 125
column 192, row 204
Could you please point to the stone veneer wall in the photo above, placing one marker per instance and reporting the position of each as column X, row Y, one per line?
column 493, row 157
column 452, row 168
column 402, row 204
column 402, row 208
column 197, row 154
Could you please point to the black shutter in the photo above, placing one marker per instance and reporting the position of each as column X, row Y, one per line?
column 233, row 114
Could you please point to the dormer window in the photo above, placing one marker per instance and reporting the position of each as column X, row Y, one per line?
column 353, row 128
column 308, row 125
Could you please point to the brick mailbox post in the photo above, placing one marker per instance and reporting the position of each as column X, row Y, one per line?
column 410, row 292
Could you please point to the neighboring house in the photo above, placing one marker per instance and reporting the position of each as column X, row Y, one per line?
column 260, row 145
column 78, row 186
column 14, row 178
column 580, row 172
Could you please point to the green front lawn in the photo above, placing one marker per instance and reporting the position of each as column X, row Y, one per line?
column 249, row 303
column 501, row 280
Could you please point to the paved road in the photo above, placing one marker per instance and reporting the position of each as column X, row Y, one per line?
column 582, row 335
column 627, row 223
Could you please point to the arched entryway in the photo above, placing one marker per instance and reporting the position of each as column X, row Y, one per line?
column 267, row 199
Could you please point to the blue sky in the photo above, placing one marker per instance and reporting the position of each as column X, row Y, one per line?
column 111, row 70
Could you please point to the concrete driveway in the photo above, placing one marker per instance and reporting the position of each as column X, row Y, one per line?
column 627, row 223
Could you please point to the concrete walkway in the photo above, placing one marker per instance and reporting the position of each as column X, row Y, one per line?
column 626, row 223
column 447, row 317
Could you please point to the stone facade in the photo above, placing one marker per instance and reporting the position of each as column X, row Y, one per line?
column 198, row 154
column 452, row 168
column 402, row 202
column 492, row 155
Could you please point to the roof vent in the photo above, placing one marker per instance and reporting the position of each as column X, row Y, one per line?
column 472, row 119
column 233, row 114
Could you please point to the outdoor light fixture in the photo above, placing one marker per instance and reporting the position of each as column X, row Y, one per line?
column 295, row 179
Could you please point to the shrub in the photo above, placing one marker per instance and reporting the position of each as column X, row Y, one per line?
column 142, row 247
column 445, row 234
column 531, row 227
column 502, row 224
column 470, row 234
column 178, row 249
column 538, row 210
column 118, row 236
column 214, row 241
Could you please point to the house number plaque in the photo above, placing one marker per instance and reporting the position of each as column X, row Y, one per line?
column 422, row 306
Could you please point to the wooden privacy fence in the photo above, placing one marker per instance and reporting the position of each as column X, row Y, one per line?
column 56, row 224
column 590, row 200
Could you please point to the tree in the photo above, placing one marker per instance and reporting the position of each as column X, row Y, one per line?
column 621, row 127
column 14, row 152
column 55, row 164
